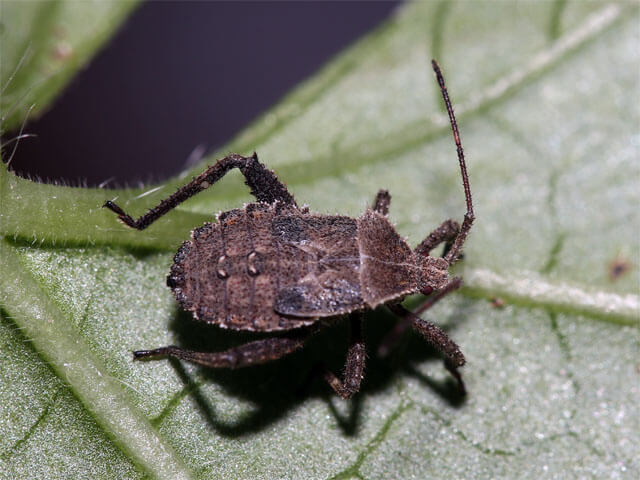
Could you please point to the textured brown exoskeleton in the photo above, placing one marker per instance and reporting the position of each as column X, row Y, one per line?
column 274, row 267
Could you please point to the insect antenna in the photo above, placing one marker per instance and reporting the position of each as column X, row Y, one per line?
column 455, row 249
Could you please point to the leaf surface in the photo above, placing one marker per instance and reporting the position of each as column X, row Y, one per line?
column 43, row 44
column 546, row 96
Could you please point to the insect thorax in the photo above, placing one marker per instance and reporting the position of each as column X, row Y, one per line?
column 388, row 268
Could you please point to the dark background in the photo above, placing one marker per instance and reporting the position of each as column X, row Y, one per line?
column 182, row 75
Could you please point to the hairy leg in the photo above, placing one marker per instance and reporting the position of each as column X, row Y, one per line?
column 252, row 353
column 403, row 324
column 355, row 363
column 446, row 232
column 263, row 183
column 437, row 338
column 382, row 202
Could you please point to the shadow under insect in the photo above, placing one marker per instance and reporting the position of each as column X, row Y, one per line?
column 276, row 388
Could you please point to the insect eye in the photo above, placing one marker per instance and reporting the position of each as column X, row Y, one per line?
column 426, row 290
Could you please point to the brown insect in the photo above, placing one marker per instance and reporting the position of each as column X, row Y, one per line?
column 275, row 267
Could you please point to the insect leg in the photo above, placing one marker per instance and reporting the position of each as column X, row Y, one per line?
column 454, row 284
column 263, row 183
column 446, row 232
column 392, row 338
column 252, row 353
column 437, row 338
column 355, row 363
column 382, row 202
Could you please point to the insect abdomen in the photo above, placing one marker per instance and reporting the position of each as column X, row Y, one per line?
column 235, row 271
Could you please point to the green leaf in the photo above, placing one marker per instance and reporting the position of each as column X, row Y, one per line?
column 44, row 43
column 546, row 95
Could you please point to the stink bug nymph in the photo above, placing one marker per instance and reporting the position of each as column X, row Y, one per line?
column 273, row 266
